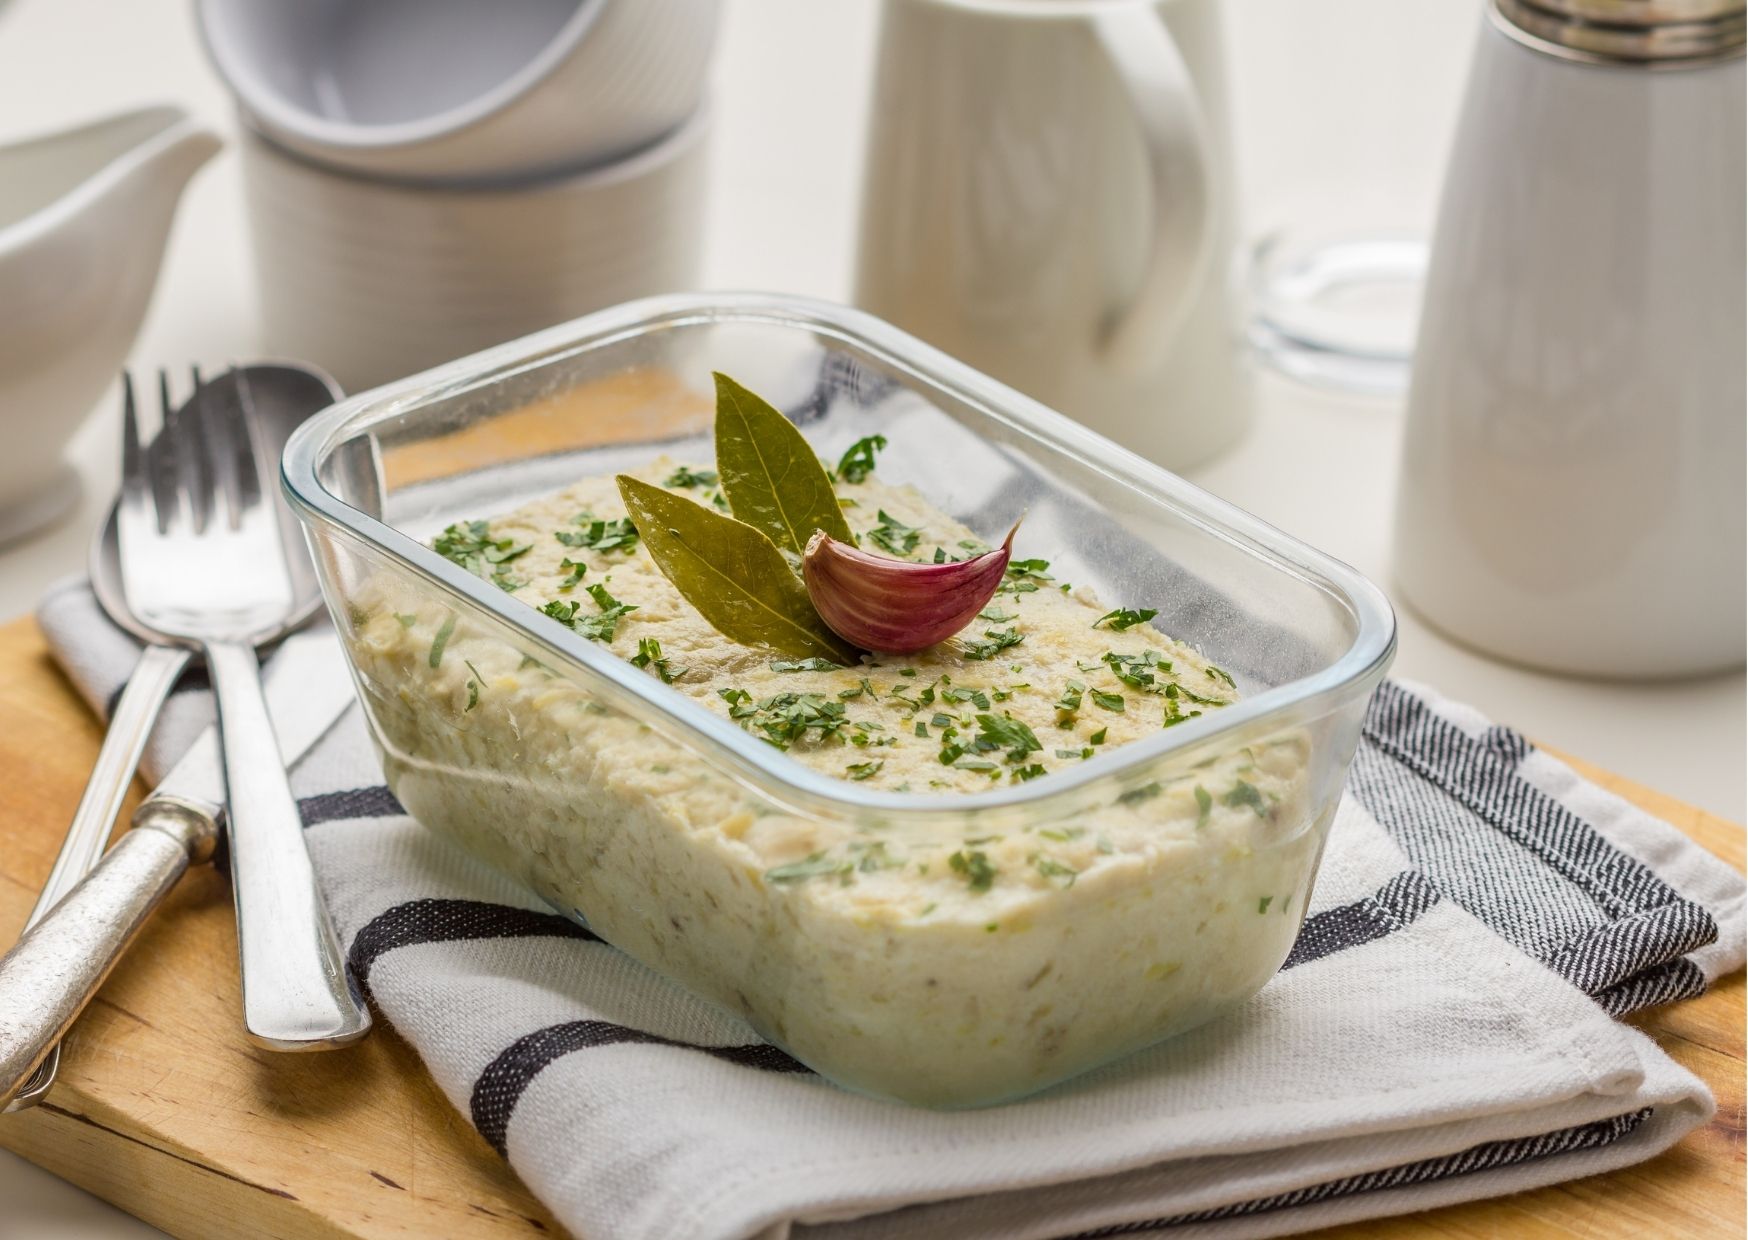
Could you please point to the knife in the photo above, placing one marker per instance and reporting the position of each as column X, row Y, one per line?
column 57, row 966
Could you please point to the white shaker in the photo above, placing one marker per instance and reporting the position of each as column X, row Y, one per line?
column 1048, row 196
column 1571, row 492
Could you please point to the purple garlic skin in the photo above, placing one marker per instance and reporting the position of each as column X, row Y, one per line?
column 896, row 606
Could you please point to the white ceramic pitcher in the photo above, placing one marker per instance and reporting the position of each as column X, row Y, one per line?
column 84, row 215
column 1048, row 195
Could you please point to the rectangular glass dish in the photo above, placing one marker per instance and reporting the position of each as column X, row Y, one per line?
column 1144, row 889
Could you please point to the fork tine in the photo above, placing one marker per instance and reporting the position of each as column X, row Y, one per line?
column 191, row 472
column 133, row 457
column 232, row 469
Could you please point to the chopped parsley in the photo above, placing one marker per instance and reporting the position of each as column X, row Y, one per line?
column 1051, row 868
column 435, row 657
column 473, row 687
column 786, row 718
column 974, row 867
column 1107, row 701
column 812, row 867
column 977, row 697
column 1098, row 738
column 1008, row 734
column 1136, row 670
column 995, row 615
column 1023, row 576
column 575, row 578
column 1262, row 905
column 1028, row 772
column 1134, row 796
column 649, row 651
column 1126, row 618
column 598, row 628
column 1204, row 806
column 894, row 536
column 997, row 640
column 1245, row 793
column 689, row 478
column 862, row 687
column 1215, row 673
column 857, row 461
column 599, row 535
column 864, row 770
column 815, row 664
column 471, row 545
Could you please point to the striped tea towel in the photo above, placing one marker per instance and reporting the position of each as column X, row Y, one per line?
column 1442, row 1031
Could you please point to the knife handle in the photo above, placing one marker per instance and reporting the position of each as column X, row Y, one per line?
column 124, row 741
column 54, row 970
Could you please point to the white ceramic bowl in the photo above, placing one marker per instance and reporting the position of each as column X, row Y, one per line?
column 456, row 90
column 372, row 281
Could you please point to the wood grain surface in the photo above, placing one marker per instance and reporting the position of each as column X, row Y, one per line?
column 163, row 1109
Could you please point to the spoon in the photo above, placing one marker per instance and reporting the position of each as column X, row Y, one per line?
column 283, row 396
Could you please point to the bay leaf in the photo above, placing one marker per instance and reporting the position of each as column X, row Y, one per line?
column 769, row 473
column 732, row 573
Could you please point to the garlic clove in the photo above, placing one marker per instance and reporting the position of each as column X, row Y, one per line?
column 898, row 606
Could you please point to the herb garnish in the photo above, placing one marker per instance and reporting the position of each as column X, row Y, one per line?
column 974, row 867
column 435, row 657
column 1007, row 733
column 1049, row 867
column 773, row 481
column 649, row 651
column 857, row 461
column 733, row 574
column 1204, row 806
column 1107, row 701
column 471, row 545
column 599, row 535
column 804, row 665
column 788, row 717
column 598, row 628
column 813, row 866
column 1023, row 576
column 1244, row 793
column 864, row 770
column 894, row 536
column 1134, row 796
column 689, row 478
column 473, row 687
column 997, row 641
column 1126, row 618
column 576, row 573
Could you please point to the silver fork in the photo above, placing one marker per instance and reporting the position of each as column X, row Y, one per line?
column 202, row 562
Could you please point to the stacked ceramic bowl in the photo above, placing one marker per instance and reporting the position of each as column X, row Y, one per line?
column 428, row 177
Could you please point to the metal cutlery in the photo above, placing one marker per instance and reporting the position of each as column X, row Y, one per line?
column 203, row 561
column 56, row 968
column 284, row 395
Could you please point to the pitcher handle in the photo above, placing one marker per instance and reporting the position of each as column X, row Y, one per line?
column 1158, row 83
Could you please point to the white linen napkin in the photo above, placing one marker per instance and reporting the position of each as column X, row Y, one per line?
column 1443, row 1030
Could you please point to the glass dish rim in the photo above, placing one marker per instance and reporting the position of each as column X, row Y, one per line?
column 771, row 772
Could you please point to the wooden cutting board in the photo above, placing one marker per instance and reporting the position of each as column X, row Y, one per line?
column 163, row 1109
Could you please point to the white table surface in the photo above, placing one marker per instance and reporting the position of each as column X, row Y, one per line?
column 1343, row 109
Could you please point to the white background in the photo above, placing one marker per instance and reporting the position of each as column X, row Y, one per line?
column 1343, row 111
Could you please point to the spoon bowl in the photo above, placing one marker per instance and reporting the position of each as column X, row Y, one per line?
column 282, row 396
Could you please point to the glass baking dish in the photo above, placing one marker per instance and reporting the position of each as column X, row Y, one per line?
column 643, row 813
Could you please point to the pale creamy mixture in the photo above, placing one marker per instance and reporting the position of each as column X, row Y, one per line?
column 953, row 961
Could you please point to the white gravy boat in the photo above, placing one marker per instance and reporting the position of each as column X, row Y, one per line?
column 84, row 214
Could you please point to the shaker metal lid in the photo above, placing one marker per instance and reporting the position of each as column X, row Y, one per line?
column 1653, row 33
